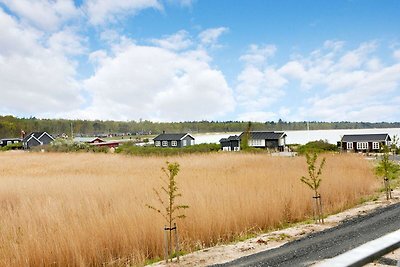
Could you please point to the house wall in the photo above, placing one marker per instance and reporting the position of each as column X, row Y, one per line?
column 369, row 149
column 189, row 141
column 32, row 142
column 46, row 139
column 256, row 142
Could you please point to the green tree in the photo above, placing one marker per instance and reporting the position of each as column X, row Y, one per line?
column 387, row 169
column 313, row 181
column 167, row 199
column 244, row 142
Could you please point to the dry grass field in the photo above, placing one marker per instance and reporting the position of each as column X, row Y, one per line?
column 89, row 209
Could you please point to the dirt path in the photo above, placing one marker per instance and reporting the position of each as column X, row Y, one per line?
column 264, row 242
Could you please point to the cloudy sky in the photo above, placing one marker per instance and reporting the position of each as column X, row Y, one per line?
column 175, row 60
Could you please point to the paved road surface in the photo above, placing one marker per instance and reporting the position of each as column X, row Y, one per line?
column 328, row 243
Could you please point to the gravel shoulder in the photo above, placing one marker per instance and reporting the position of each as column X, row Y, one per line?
column 268, row 241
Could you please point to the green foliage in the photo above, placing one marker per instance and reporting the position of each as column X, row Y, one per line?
column 316, row 147
column 244, row 142
column 387, row 168
column 167, row 195
column 11, row 126
column 12, row 147
column 67, row 146
column 313, row 180
column 132, row 149
column 394, row 147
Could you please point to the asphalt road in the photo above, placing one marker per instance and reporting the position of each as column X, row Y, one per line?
column 328, row 243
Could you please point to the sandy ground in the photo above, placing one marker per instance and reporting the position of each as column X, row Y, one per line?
column 226, row 253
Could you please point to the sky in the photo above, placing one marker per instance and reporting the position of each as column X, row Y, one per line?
column 186, row 60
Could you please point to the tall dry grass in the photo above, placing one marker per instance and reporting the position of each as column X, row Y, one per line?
column 89, row 209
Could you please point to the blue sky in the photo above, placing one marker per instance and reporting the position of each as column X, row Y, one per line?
column 175, row 60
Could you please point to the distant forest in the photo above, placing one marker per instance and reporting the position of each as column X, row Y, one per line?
column 11, row 126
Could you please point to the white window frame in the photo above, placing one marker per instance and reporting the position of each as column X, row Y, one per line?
column 157, row 143
column 362, row 145
column 164, row 143
column 375, row 145
column 183, row 142
column 349, row 145
column 174, row 143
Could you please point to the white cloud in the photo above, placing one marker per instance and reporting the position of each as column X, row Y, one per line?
column 182, row 3
column 259, row 116
column 258, row 54
column 67, row 42
column 34, row 79
column 210, row 37
column 347, row 84
column 44, row 14
column 258, row 86
column 101, row 12
column 155, row 83
column 335, row 84
column 396, row 54
column 176, row 42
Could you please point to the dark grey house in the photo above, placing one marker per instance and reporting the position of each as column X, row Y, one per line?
column 364, row 142
column 232, row 143
column 9, row 141
column 266, row 140
column 36, row 139
column 173, row 140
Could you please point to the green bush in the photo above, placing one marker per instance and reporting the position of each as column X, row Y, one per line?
column 67, row 146
column 132, row 149
column 11, row 147
column 316, row 147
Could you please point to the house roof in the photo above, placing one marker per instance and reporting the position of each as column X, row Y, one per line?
column 11, row 139
column 230, row 138
column 171, row 136
column 87, row 139
column 37, row 135
column 264, row 135
column 365, row 137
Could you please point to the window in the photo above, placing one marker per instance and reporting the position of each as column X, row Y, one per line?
column 256, row 142
column 164, row 143
column 174, row 143
column 349, row 145
column 9, row 142
column 362, row 145
column 183, row 142
column 158, row 143
column 375, row 145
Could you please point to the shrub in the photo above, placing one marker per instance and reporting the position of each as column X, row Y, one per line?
column 316, row 147
column 132, row 149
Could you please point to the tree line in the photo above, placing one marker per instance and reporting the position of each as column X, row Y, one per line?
column 11, row 126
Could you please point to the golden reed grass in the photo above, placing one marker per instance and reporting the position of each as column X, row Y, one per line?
column 89, row 209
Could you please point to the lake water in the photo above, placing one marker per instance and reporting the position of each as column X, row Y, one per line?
column 302, row 137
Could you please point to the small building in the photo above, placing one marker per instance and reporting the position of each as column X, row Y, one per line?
column 173, row 140
column 9, row 141
column 266, row 140
column 364, row 142
column 232, row 143
column 37, row 139
column 88, row 140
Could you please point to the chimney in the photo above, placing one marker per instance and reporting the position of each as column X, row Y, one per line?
column 22, row 134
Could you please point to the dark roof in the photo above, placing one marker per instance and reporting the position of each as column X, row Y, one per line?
column 36, row 135
column 230, row 138
column 264, row 135
column 365, row 137
column 171, row 136
column 11, row 139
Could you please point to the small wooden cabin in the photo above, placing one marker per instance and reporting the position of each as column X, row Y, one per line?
column 173, row 140
column 364, row 142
